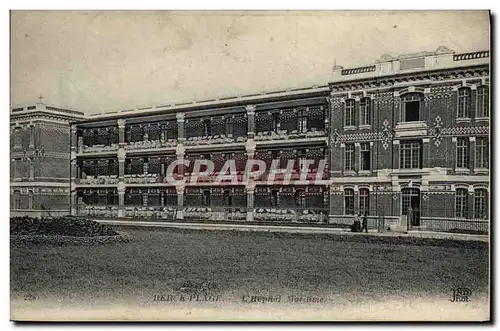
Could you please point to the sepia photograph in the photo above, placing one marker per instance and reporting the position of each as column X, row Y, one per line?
column 250, row 165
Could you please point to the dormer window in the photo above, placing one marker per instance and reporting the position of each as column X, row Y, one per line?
column 463, row 102
column 411, row 107
column 349, row 113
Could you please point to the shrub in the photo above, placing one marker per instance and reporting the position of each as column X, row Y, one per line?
column 61, row 226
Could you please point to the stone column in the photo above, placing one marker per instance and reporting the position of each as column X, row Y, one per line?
column 342, row 158
column 472, row 153
column 250, row 188
column 180, row 128
column 121, row 199
column 251, row 121
column 121, row 132
column 357, row 157
column 73, row 202
column 470, row 202
column 180, row 201
column 453, row 154
column 356, row 199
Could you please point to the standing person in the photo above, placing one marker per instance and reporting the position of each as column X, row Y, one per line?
column 357, row 223
column 365, row 222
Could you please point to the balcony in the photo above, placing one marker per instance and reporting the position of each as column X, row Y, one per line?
column 284, row 135
column 142, row 178
column 97, row 180
column 151, row 144
column 410, row 129
column 214, row 140
column 289, row 215
column 97, row 210
column 151, row 212
column 99, row 148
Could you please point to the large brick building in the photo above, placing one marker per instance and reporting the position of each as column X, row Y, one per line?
column 39, row 170
column 406, row 138
column 410, row 135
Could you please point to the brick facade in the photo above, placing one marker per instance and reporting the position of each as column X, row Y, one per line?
column 39, row 169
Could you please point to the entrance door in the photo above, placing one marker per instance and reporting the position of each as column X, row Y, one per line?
column 410, row 205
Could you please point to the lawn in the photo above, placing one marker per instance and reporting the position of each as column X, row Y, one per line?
column 345, row 270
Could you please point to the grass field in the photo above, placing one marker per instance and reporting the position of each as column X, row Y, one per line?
column 346, row 269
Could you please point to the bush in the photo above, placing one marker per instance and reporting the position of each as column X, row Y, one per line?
column 61, row 226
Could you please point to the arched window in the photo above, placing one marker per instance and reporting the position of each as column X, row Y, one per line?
column 349, row 113
column 463, row 102
column 364, row 201
column 410, row 104
column 483, row 101
column 349, row 201
column 481, row 203
column 461, row 202
column 365, row 111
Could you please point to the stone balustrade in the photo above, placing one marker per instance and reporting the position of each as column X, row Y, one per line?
column 141, row 178
column 98, row 210
column 102, row 179
column 100, row 148
column 213, row 140
column 288, row 215
column 151, row 212
column 284, row 135
column 150, row 144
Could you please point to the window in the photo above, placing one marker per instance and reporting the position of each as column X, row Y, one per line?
column 463, row 153
column 349, row 201
column 300, row 199
column 164, row 131
column 461, row 203
column 483, row 101
column 364, row 201
column 411, row 107
column 349, row 113
column 17, row 199
column 207, row 128
column 364, row 111
column 228, row 126
column 111, row 167
column 110, row 198
column 301, row 158
column 32, row 135
column 463, row 102
column 275, row 124
column 302, row 120
column 274, row 198
column 480, row 204
column 365, row 157
column 410, row 155
column 205, row 201
column 30, row 199
column 349, row 157
column 482, row 154
column 228, row 198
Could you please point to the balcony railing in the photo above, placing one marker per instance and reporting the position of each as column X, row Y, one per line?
column 152, row 212
column 102, row 179
column 287, row 215
column 142, row 178
column 284, row 135
column 100, row 148
column 150, row 144
column 97, row 210
column 212, row 140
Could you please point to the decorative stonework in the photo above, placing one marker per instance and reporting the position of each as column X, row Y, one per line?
column 466, row 130
column 436, row 131
column 386, row 134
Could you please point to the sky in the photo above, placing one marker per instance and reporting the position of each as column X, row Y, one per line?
column 105, row 61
